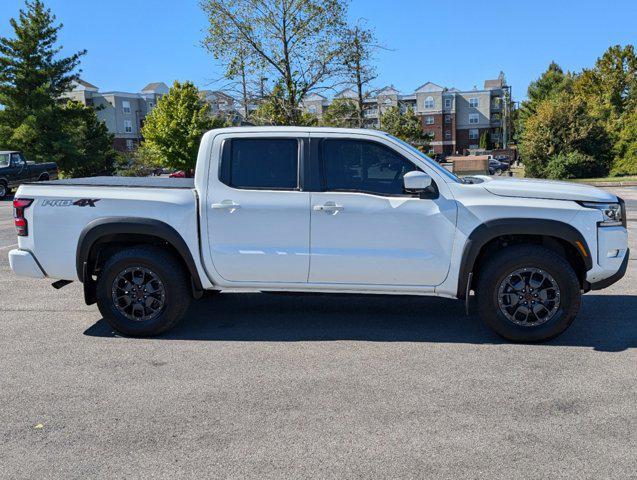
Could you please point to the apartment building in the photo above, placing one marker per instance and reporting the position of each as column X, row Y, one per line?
column 453, row 120
column 122, row 112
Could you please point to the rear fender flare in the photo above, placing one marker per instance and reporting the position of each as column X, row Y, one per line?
column 110, row 228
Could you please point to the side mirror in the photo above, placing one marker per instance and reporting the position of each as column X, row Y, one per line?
column 416, row 181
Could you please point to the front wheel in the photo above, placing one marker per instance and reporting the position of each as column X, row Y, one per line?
column 528, row 293
column 4, row 190
column 143, row 291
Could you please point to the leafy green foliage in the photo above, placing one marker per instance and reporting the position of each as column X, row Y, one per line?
column 551, row 83
column 406, row 126
column 563, row 125
column 590, row 113
column 86, row 146
column 32, row 80
column 484, row 140
column 570, row 165
column 625, row 149
column 343, row 112
column 173, row 129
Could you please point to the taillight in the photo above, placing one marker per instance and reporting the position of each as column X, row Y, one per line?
column 19, row 206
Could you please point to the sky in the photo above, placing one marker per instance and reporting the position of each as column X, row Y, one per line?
column 455, row 43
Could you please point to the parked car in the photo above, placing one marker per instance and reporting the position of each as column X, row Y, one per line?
column 323, row 210
column 178, row 174
column 15, row 170
column 496, row 167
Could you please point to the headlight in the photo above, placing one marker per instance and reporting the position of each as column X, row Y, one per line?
column 613, row 213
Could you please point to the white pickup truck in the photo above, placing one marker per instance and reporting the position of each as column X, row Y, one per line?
column 322, row 210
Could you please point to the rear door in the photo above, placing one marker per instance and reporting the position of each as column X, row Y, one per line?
column 258, row 217
column 366, row 229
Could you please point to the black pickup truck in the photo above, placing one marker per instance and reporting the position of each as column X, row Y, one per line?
column 15, row 170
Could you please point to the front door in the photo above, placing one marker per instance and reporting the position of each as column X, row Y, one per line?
column 366, row 229
column 258, row 217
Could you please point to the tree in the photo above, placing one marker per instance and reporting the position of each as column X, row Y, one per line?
column 406, row 126
column 173, row 129
column 295, row 40
column 610, row 87
column 86, row 146
column 551, row 83
column 562, row 125
column 272, row 111
column 241, row 73
column 625, row 149
column 357, row 46
column 342, row 113
column 35, row 118
column 484, row 140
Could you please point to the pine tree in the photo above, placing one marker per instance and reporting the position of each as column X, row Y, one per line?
column 35, row 118
column 32, row 79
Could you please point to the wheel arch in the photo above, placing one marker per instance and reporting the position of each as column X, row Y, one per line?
column 554, row 234
column 98, row 234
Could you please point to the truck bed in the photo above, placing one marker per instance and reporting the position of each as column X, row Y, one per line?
column 132, row 182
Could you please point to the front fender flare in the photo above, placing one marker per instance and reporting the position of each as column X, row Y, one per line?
column 487, row 231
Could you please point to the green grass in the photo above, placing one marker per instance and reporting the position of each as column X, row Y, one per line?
column 606, row 179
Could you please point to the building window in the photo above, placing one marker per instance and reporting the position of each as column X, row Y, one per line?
column 473, row 146
column 495, row 136
column 474, row 118
column 430, row 135
column 129, row 144
column 128, row 126
column 429, row 102
column 474, row 134
column 312, row 109
column 447, row 134
column 429, row 120
column 474, row 102
column 447, row 118
column 447, row 103
column 126, row 106
column 150, row 105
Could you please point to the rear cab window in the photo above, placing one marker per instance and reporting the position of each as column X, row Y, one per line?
column 260, row 163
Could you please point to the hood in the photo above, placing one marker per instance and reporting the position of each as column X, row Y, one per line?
column 550, row 189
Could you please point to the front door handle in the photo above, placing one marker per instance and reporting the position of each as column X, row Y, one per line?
column 329, row 207
column 226, row 205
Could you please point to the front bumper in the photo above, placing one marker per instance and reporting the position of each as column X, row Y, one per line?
column 24, row 264
column 613, row 278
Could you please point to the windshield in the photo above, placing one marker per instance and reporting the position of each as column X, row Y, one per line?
column 427, row 160
column 4, row 159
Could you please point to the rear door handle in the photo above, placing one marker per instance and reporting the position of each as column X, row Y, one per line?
column 226, row 205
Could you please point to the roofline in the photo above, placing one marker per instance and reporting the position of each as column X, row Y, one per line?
column 364, row 131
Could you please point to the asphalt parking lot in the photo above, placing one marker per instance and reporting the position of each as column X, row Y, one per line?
column 273, row 386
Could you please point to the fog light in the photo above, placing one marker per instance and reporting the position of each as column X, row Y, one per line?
column 612, row 253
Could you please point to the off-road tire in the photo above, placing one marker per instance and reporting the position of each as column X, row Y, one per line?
column 510, row 259
column 4, row 190
column 171, row 273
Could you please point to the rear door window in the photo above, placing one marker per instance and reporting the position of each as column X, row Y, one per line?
column 261, row 163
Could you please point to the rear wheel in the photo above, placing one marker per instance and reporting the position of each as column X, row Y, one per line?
column 528, row 293
column 143, row 291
